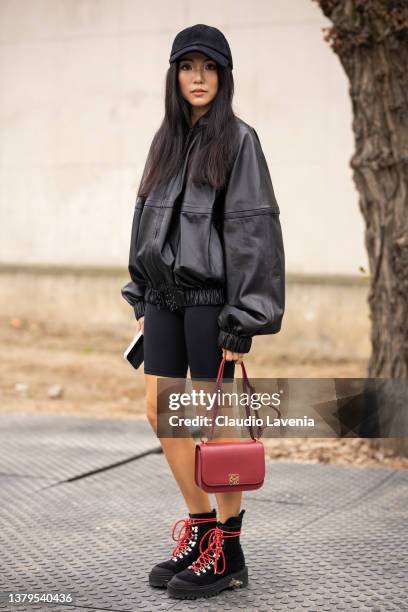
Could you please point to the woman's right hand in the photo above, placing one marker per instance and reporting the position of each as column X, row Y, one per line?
column 141, row 324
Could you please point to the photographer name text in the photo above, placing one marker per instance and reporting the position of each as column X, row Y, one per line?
column 227, row 421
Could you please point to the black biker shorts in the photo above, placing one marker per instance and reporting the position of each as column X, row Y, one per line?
column 177, row 339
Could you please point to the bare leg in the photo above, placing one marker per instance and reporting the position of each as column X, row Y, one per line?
column 229, row 504
column 179, row 453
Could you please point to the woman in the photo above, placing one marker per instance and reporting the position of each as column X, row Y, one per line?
column 207, row 268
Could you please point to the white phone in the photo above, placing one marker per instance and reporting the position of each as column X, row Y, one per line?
column 134, row 352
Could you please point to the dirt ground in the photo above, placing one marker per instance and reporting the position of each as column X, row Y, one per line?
column 89, row 377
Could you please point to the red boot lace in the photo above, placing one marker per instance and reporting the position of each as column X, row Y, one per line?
column 184, row 533
column 214, row 549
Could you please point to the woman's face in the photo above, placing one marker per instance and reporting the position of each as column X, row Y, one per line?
column 198, row 72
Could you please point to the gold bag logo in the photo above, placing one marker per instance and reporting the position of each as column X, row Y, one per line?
column 233, row 479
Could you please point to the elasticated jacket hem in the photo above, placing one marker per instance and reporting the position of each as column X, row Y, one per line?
column 231, row 342
column 175, row 296
column 139, row 308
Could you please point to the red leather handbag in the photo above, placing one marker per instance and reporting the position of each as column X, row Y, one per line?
column 230, row 466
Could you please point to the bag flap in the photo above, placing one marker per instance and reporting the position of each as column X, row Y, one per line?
column 232, row 463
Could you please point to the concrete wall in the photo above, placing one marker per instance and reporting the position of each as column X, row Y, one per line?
column 82, row 89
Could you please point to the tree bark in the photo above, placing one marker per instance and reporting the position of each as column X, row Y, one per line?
column 370, row 37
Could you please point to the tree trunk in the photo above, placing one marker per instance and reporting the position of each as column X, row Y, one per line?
column 370, row 38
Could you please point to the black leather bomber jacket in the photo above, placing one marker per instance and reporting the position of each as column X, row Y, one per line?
column 194, row 245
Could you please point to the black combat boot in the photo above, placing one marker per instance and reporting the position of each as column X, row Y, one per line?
column 221, row 564
column 187, row 550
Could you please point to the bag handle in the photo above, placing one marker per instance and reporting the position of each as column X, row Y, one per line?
column 246, row 385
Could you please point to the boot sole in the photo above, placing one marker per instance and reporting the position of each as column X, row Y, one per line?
column 238, row 580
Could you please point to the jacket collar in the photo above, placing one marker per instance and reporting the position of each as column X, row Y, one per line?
column 202, row 122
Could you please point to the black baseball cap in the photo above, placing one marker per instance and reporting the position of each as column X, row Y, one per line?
column 204, row 38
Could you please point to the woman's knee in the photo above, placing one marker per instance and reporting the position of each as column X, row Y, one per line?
column 151, row 413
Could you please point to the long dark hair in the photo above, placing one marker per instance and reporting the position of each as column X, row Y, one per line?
column 212, row 161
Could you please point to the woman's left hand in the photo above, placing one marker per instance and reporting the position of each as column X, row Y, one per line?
column 232, row 356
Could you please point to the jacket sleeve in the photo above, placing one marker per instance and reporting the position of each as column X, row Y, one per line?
column 133, row 292
column 253, row 251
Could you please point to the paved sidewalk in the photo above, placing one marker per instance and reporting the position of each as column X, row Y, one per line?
column 87, row 507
